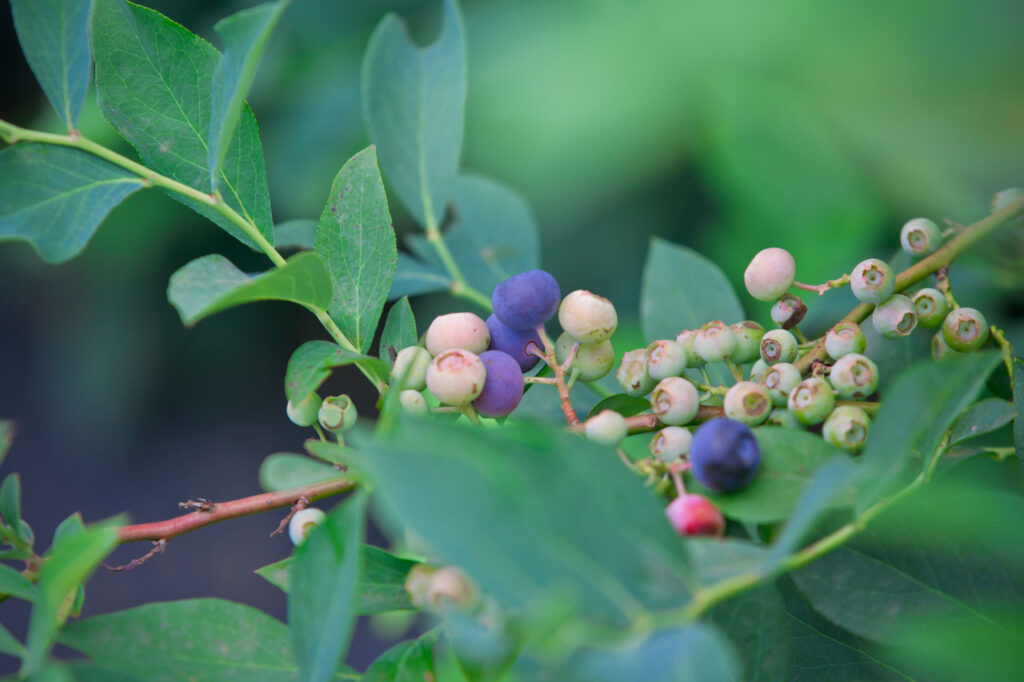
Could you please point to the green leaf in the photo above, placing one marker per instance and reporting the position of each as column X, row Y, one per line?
column 7, row 431
column 626, row 405
column 682, row 289
column 335, row 453
column 722, row 558
column 1018, row 404
column 67, row 565
column 381, row 585
column 55, row 197
column 982, row 417
column 146, row 63
column 15, row 584
column 399, row 331
column 916, row 411
column 244, row 34
column 409, row 661
column 282, row 471
column 9, row 645
column 414, row 277
column 311, row 364
column 356, row 241
column 72, row 525
column 54, row 35
column 200, row 640
column 962, row 651
column 414, row 104
column 212, row 283
column 552, row 514
column 295, row 234
column 789, row 460
column 10, row 503
column 321, row 603
column 755, row 622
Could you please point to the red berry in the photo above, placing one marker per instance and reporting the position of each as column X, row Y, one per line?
column 695, row 515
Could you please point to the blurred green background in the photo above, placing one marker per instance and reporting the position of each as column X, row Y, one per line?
column 728, row 126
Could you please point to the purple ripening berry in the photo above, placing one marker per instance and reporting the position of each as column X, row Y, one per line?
column 724, row 455
column 526, row 300
column 515, row 342
column 503, row 388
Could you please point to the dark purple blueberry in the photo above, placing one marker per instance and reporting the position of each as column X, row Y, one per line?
column 724, row 455
column 503, row 388
column 515, row 342
column 526, row 300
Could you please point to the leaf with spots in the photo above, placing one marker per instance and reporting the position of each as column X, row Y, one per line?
column 356, row 241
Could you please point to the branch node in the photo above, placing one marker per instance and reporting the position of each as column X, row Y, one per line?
column 299, row 505
column 200, row 504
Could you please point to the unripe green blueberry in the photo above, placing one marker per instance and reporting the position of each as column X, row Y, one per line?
column 715, row 341
column 747, row 402
column 780, row 379
column 413, row 402
column 811, row 401
column 593, row 360
column 302, row 522
column 770, row 274
column 671, row 443
column 417, row 582
column 456, row 377
column 411, row 363
column 632, row 373
column 872, row 281
column 920, row 236
column 688, row 340
column 778, row 345
column 1004, row 198
column 854, row 376
column 449, row 586
column 931, row 307
column 304, row 412
column 587, row 317
column 665, row 358
column 337, row 413
column 965, row 329
column 780, row 416
column 457, row 330
column 895, row 317
column 843, row 339
column 847, row 428
column 675, row 401
column 607, row 427
column 748, row 341
column 758, row 368
column 941, row 352
column 788, row 311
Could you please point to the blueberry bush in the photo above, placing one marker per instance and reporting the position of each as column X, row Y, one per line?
column 719, row 502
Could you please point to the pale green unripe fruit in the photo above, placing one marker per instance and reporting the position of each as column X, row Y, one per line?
column 411, row 364
column 965, row 329
column 931, row 307
column 587, row 317
column 450, row 586
column 920, row 236
column 780, row 379
column 337, row 413
column 941, row 352
column 632, row 373
column 304, row 412
column 457, row 330
column 780, row 416
column 413, row 402
column 665, row 358
column 778, row 345
column 758, row 368
column 594, row 360
column 715, row 341
column 895, row 317
column 811, row 401
column 770, row 274
column 607, row 427
column 302, row 522
column 847, row 428
column 748, row 341
column 675, row 401
column 872, row 281
column 788, row 311
column 747, row 402
column 843, row 339
column 854, row 376
column 688, row 340
column 1005, row 197
column 671, row 443
column 456, row 377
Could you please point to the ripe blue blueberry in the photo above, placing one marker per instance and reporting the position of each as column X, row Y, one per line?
column 526, row 300
column 931, row 307
column 872, row 281
column 503, row 387
column 695, row 515
column 515, row 342
column 788, row 311
column 965, row 329
column 724, row 455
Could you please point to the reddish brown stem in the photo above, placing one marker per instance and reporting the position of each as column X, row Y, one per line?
column 563, row 391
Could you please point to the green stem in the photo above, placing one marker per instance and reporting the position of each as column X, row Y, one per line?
column 460, row 285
